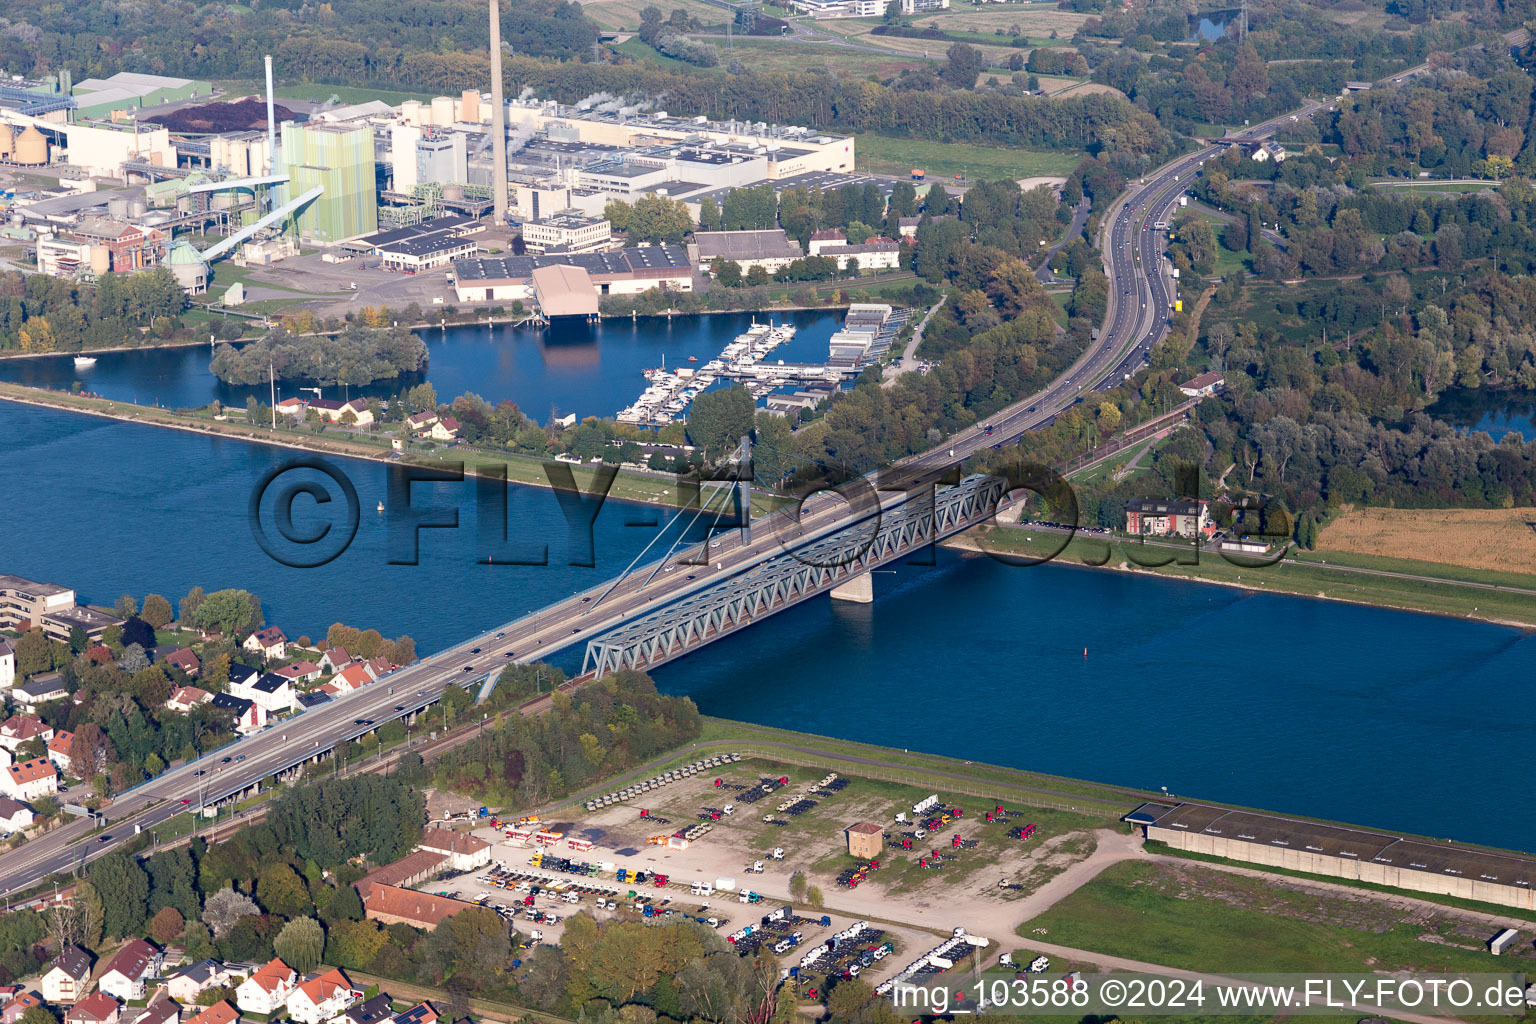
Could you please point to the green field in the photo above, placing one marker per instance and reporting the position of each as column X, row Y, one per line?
column 884, row 154
column 1202, row 919
column 1424, row 586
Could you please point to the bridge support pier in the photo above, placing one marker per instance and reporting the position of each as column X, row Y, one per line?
column 860, row 589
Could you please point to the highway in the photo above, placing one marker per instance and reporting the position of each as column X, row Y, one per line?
column 1137, row 318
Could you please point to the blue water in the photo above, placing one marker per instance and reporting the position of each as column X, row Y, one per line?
column 589, row 370
column 1496, row 413
column 1208, row 30
column 1382, row 718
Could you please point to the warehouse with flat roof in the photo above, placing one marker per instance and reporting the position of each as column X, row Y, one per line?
column 1449, row 869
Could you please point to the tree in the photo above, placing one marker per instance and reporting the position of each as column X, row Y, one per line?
column 709, row 214
column 232, row 611
column 186, row 609
column 134, row 659
column 124, row 889
column 720, row 419
column 90, row 752
column 34, row 653
column 224, row 908
column 797, row 885
column 963, row 63
column 156, row 611
column 727, row 272
column 137, row 631
column 813, row 896
column 38, row 1015
column 300, row 944
column 126, row 607
column 167, row 925
column 281, row 891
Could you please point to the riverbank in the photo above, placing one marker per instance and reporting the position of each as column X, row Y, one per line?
column 629, row 485
column 1430, row 588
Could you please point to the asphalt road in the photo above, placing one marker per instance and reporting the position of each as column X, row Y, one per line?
column 1138, row 317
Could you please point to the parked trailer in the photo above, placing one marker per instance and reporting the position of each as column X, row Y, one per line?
column 1502, row 941
column 580, row 845
column 726, row 884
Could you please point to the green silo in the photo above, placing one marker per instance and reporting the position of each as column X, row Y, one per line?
column 338, row 158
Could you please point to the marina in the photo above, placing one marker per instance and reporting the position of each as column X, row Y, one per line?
column 866, row 335
column 671, row 391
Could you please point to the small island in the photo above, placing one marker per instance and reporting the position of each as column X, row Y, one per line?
column 358, row 355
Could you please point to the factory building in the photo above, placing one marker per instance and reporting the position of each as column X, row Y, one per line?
column 339, row 159
column 127, row 92
column 1448, row 869
column 622, row 272
column 442, row 156
column 567, row 231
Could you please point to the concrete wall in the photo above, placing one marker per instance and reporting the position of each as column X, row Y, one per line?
column 1346, row 867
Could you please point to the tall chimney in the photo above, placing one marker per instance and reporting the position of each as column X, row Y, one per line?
column 498, row 121
column 271, row 123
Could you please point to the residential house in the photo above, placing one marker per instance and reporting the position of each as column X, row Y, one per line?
column 7, row 664
column 58, row 749
column 68, row 977
column 337, row 658
column 250, row 717
column 19, row 729
column 8, row 992
column 185, row 984
column 875, row 254
column 1176, row 518
column 464, row 851
column 358, row 407
column 420, row 421
column 322, row 997
column 269, row 642
column 240, row 675
column 184, row 660
column 18, row 1005
column 379, row 667
column 14, row 815
column 352, row 677
column 313, row 698
column 421, row 1013
column 1207, row 383
column 127, row 973
column 267, row 988
column 29, row 781
column 219, row 1013
column 390, row 904
column 823, row 239
column 272, row 691
column 160, row 1011
column 39, row 690
column 371, row 1011
column 291, row 407
column 96, row 1008
column 188, row 697
column 445, row 429
column 299, row 672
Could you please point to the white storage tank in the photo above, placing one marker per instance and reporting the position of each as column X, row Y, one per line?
column 442, row 110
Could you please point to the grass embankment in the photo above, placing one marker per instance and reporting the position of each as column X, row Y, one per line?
column 629, row 485
column 1490, row 539
column 1384, row 582
column 887, row 154
column 1200, row 919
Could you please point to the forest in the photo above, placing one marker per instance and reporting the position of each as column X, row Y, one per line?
column 357, row 355
column 39, row 313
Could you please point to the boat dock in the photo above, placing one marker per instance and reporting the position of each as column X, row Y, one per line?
column 670, row 392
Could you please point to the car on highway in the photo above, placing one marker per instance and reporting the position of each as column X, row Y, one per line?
column 508, row 654
column 467, row 668
column 200, row 771
column 423, row 693
column 239, row 757
column 362, row 721
column 399, row 707
column 474, row 650
column 226, row 760
column 104, row 839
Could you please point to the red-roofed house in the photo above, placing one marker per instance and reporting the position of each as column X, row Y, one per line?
column 18, row 729
column 188, row 697
column 161, row 1011
column 267, row 989
column 299, row 671
column 353, row 676
column 58, row 748
column 380, row 667
column 269, row 642
column 183, row 659
column 96, row 1008
column 390, row 904
column 127, row 972
column 30, row 780
column 335, row 659
column 445, row 429
column 464, row 851
column 219, row 1013
column 18, row 1005
column 323, row 997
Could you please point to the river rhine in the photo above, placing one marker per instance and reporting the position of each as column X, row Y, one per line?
column 1381, row 718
